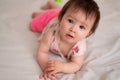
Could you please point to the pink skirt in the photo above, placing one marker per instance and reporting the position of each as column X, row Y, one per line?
column 39, row 23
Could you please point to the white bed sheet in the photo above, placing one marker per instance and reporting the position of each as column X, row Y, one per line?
column 18, row 45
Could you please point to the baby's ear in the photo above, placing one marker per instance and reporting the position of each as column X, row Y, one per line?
column 59, row 20
column 90, row 33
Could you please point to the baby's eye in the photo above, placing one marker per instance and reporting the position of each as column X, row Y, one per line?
column 82, row 27
column 70, row 21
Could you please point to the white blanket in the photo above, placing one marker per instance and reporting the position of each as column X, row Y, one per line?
column 18, row 45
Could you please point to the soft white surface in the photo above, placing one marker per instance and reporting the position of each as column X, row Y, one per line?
column 18, row 45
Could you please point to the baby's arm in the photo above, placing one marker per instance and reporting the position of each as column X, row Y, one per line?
column 42, row 55
column 43, row 50
column 74, row 65
column 66, row 67
column 44, row 45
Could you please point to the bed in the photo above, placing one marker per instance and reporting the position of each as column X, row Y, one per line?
column 18, row 44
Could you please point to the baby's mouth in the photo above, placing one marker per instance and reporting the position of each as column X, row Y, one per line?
column 70, row 36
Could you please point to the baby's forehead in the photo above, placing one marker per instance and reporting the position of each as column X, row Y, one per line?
column 80, row 11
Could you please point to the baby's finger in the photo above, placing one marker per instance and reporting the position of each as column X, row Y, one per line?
column 45, row 76
column 50, row 69
column 50, row 65
column 41, row 76
column 51, row 77
column 50, row 61
column 56, row 76
column 54, row 72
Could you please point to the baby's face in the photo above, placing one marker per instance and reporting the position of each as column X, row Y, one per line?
column 74, row 26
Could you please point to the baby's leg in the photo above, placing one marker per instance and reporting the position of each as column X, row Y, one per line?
column 50, row 5
column 35, row 14
column 42, row 19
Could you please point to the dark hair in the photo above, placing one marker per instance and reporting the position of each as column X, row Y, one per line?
column 89, row 7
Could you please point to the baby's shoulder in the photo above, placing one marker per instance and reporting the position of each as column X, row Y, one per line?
column 48, row 32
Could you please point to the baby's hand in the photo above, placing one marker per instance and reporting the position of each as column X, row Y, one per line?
column 47, row 75
column 55, row 66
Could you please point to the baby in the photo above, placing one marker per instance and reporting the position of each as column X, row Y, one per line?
column 64, row 32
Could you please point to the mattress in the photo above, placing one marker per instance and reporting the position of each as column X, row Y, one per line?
column 18, row 44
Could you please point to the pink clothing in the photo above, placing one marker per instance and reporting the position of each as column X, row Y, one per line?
column 38, row 24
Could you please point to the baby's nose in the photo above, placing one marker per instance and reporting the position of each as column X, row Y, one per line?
column 73, row 29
